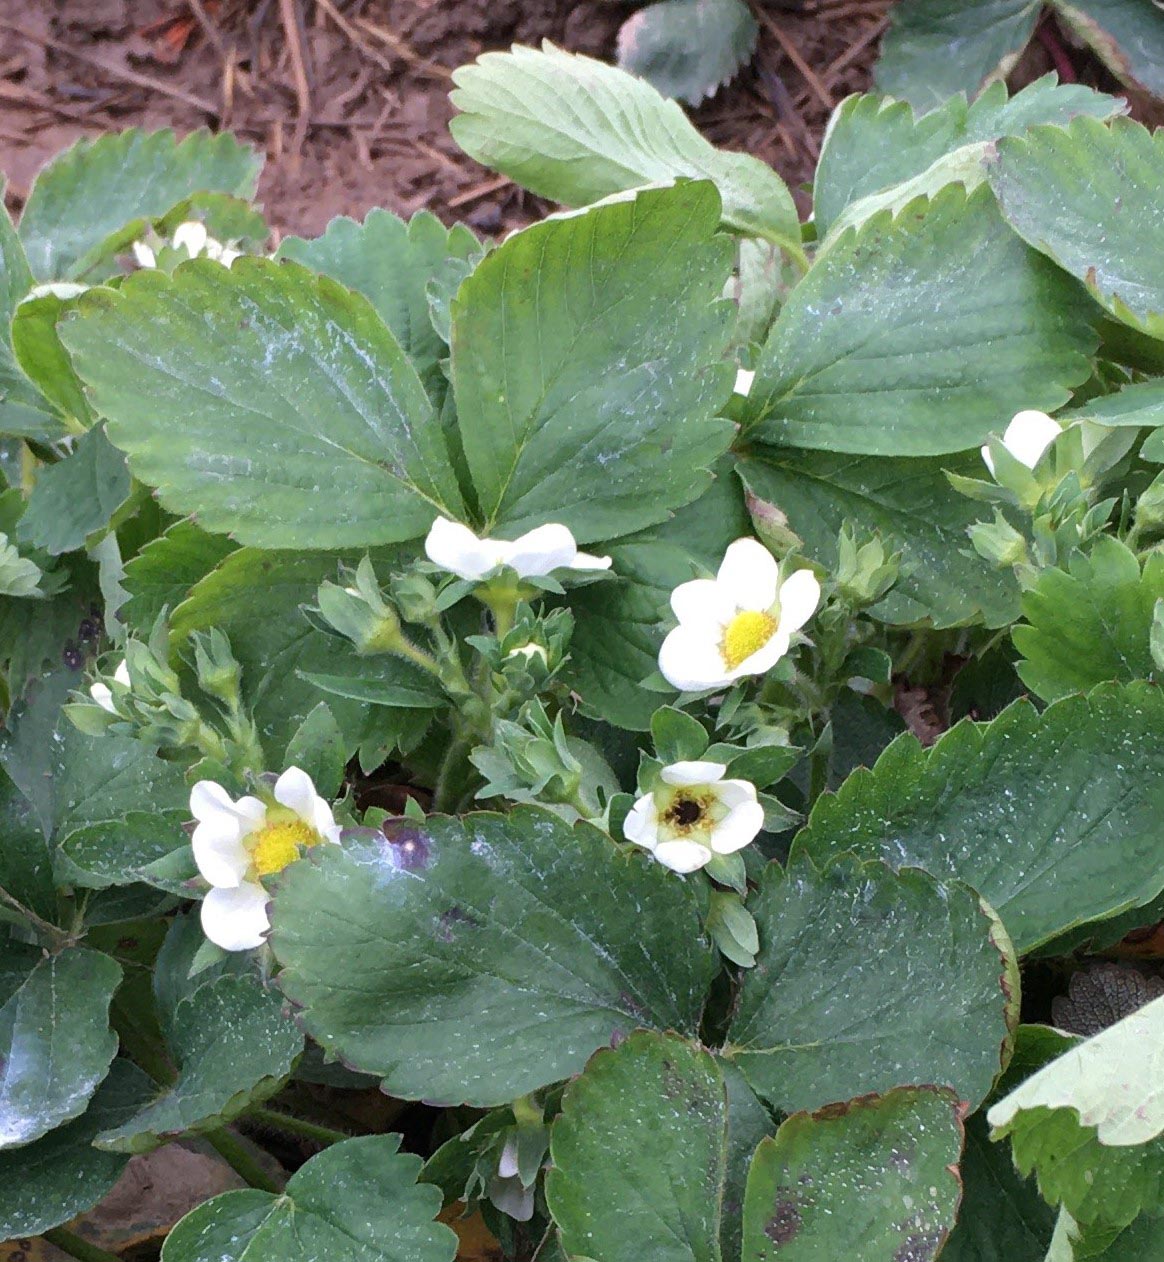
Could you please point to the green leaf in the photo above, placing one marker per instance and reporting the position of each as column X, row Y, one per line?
column 909, row 504
column 1091, row 624
column 1053, row 817
column 1057, row 187
column 256, row 598
column 875, row 1179
column 358, row 1199
column 688, row 48
column 391, row 263
column 26, row 861
column 678, row 737
column 84, row 196
column 233, row 1047
column 1003, row 1218
column 1127, row 36
column 55, row 1040
column 271, row 402
column 1140, row 1241
column 318, row 748
column 19, row 576
column 1090, row 1123
column 564, row 940
column 867, row 980
column 935, row 48
column 1141, row 403
column 639, row 1155
column 587, row 365
column 919, row 334
column 44, row 360
column 61, row 1175
column 874, row 142
column 619, row 624
column 76, row 496
column 163, row 572
column 574, row 130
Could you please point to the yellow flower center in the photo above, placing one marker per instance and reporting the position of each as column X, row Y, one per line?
column 278, row 844
column 746, row 634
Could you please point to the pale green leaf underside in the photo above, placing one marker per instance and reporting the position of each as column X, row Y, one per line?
column 563, row 940
column 1053, row 817
column 272, row 403
column 874, row 1179
column 1088, row 196
column 587, row 365
column 575, row 130
column 868, row 980
column 919, row 334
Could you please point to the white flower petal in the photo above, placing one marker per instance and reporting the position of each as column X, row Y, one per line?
column 738, row 828
column 507, row 1164
column 1029, row 434
column 703, row 603
column 642, row 823
column 765, row 657
column 987, row 459
column 682, row 856
column 219, row 852
column 208, row 800
column 143, row 255
column 799, row 596
column 691, row 661
column 744, row 379
column 732, row 793
column 454, row 547
column 692, row 772
column 121, row 674
column 191, row 237
column 295, row 791
column 584, row 561
column 228, row 256
column 542, row 551
column 749, row 575
column 324, row 821
column 103, row 695
column 236, row 919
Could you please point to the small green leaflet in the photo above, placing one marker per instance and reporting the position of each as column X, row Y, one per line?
column 161, row 575
column 575, row 130
column 1053, row 817
column 356, row 1200
column 919, row 334
column 867, row 980
column 875, row 1179
column 1126, row 35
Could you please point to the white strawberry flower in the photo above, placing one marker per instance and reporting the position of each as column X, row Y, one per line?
column 103, row 694
column 693, row 815
column 454, row 547
column 237, row 844
column 144, row 254
column 196, row 241
column 1028, row 435
column 739, row 623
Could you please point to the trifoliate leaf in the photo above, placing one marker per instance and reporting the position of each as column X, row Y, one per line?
column 867, row 980
column 357, row 1199
column 1053, row 817
column 875, row 1179
column 61, row 1175
column 55, row 1040
column 1126, row 35
column 909, row 505
column 639, row 1154
column 935, row 48
column 688, row 48
column 391, row 263
column 1087, row 196
column 271, row 402
column 919, row 334
column 574, row 130
column 566, row 940
column 83, row 198
column 874, row 142
column 587, row 365
column 1089, row 624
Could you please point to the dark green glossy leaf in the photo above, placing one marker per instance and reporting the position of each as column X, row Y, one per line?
column 564, row 940
column 1127, row 35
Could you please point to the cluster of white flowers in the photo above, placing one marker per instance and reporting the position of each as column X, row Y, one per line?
column 195, row 240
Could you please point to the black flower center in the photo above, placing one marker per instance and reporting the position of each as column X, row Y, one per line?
column 685, row 811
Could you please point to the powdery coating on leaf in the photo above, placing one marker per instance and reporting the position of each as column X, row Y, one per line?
column 1113, row 1082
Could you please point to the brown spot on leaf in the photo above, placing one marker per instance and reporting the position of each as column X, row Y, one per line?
column 922, row 1246
column 785, row 1223
column 411, row 845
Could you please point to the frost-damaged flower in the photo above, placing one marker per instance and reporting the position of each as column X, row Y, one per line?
column 1028, row 435
column 456, row 548
column 739, row 623
column 192, row 237
column 236, row 844
column 694, row 814
column 103, row 694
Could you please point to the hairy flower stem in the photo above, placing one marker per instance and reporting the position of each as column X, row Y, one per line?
column 236, row 1155
column 296, row 1126
column 76, row 1246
